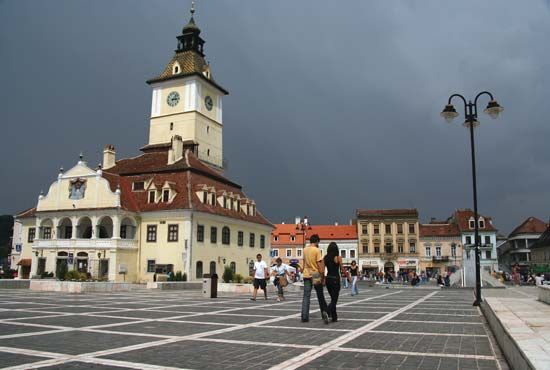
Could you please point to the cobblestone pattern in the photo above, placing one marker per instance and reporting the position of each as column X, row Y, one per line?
column 377, row 329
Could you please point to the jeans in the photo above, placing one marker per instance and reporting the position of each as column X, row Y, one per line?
column 345, row 282
column 308, row 286
column 354, row 289
column 333, row 287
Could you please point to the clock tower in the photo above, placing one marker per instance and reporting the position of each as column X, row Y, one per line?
column 187, row 101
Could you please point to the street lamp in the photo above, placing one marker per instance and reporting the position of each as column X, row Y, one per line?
column 303, row 226
column 449, row 113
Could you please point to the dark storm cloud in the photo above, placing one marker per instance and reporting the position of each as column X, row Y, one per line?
column 333, row 105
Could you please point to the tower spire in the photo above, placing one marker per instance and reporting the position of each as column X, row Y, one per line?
column 192, row 8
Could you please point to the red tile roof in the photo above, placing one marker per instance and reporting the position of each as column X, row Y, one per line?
column 442, row 230
column 325, row 232
column 387, row 212
column 462, row 217
column 187, row 176
column 532, row 225
column 31, row 212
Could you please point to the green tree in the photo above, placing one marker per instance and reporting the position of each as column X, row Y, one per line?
column 6, row 233
column 227, row 274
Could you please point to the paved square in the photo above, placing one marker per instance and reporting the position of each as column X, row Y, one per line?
column 398, row 328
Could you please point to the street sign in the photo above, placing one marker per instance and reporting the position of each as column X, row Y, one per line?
column 18, row 247
column 70, row 258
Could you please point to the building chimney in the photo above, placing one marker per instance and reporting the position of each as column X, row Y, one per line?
column 432, row 220
column 109, row 156
column 176, row 151
column 297, row 220
column 336, row 223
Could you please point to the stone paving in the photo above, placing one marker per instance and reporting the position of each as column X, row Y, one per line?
column 525, row 319
column 378, row 329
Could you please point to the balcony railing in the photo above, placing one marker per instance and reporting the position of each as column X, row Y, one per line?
column 440, row 258
column 86, row 243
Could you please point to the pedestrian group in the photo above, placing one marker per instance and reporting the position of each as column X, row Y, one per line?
column 317, row 272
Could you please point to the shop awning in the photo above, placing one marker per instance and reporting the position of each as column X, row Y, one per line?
column 25, row 262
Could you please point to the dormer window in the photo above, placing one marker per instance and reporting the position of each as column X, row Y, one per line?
column 138, row 186
column 481, row 223
column 166, row 196
column 152, row 196
column 292, row 238
column 472, row 223
column 213, row 199
column 176, row 69
column 205, row 197
column 224, row 202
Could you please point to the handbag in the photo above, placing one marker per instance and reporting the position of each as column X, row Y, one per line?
column 316, row 278
column 282, row 281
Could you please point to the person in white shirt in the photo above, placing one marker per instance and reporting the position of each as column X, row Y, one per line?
column 280, row 271
column 539, row 279
column 260, row 275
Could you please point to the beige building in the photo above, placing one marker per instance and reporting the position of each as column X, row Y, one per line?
column 388, row 240
column 169, row 209
column 440, row 247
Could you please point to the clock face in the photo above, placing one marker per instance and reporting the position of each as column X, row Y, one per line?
column 173, row 98
column 208, row 102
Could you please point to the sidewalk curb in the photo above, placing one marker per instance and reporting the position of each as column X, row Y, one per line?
column 509, row 348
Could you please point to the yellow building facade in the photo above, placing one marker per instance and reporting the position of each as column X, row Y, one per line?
column 169, row 209
column 388, row 240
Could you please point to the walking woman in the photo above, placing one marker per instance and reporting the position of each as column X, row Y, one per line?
column 335, row 268
column 353, row 272
column 280, row 272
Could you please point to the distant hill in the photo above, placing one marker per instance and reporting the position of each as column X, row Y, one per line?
column 6, row 232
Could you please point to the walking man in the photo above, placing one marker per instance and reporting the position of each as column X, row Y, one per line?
column 314, row 271
column 260, row 274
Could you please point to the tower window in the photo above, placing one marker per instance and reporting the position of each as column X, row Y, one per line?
column 171, row 126
column 208, row 152
column 207, row 129
column 176, row 69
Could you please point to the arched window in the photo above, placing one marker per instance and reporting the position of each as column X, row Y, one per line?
column 226, row 235
column 233, row 267
column 212, row 267
column 84, row 228
column 199, row 270
column 65, row 229
column 105, row 228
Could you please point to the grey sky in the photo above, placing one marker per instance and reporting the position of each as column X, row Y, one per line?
column 333, row 105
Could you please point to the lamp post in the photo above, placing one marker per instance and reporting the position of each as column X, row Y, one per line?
column 303, row 226
column 493, row 109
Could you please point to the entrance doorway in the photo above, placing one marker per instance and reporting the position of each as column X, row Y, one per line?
column 82, row 262
column 25, row 272
column 389, row 267
column 61, row 266
column 103, row 269
column 41, row 266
